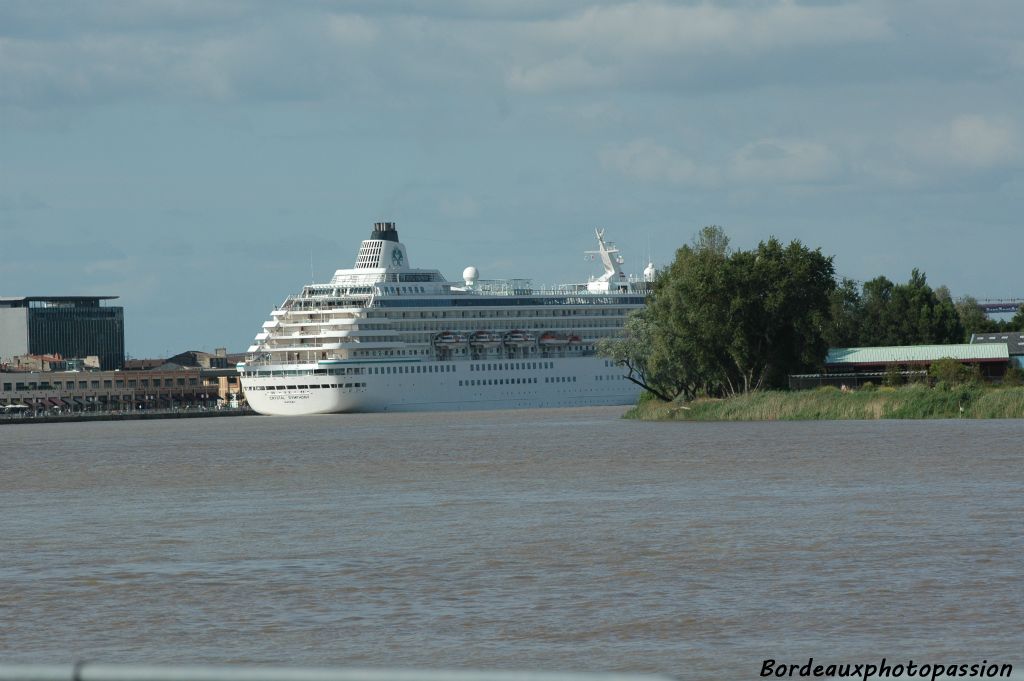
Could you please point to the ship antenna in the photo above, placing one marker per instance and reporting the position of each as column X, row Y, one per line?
column 312, row 278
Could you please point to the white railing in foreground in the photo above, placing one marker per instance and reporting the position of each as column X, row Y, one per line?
column 94, row 671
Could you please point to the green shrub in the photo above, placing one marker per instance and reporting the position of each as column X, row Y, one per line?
column 893, row 377
column 1014, row 377
column 948, row 372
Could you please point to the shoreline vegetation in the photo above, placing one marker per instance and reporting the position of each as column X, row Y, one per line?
column 829, row 403
column 724, row 330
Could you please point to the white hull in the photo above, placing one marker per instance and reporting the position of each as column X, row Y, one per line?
column 442, row 386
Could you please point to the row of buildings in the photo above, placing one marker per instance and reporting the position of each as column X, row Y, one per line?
column 66, row 354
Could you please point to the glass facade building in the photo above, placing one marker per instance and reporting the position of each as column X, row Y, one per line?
column 72, row 326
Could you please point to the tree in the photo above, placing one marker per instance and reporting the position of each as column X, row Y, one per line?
column 1017, row 321
column 632, row 350
column 845, row 309
column 722, row 322
column 973, row 318
column 907, row 314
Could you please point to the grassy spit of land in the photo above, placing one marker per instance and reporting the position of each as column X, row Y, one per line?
column 904, row 402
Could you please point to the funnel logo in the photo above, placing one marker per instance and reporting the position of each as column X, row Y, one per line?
column 396, row 257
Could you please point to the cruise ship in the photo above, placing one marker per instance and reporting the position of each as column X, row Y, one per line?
column 385, row 336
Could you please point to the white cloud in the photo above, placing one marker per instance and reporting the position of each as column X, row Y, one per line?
column 982, row 142
column 559, row 74
column 352, row 29
column 784, row 161
column 764, row 162
column 967, row 141
column 655, row 27
column 625, row 41
column 646, row 160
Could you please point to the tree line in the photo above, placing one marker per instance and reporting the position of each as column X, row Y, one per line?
column 722, row 321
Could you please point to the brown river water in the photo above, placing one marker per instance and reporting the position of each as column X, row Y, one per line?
column 546, row 540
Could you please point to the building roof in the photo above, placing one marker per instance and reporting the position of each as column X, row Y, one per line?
column 1014, row 340
column 26, row 301
column 55, row 299
column 906, row 354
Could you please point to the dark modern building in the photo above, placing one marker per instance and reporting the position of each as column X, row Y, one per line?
column 71, row 326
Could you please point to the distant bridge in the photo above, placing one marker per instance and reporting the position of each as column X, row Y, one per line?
column 1000, row 305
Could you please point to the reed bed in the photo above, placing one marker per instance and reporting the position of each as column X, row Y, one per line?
column 906, row 402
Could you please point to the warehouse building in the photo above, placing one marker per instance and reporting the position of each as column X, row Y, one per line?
column 852, row 367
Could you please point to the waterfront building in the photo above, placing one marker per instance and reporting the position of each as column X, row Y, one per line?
column 1014, row 344
column 74, row 391
column 852, row 367
column 71, row 326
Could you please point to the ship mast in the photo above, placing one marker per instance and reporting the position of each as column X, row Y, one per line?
column 610, row 259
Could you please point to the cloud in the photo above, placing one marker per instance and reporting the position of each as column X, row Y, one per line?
column 460, row 208
column 351, row 29
column 571, row 72
column 966, row 142
column 963, row 147
column 646, row 160
column 771, row 161
column 635, row 41
column 982, row 142
column 660, row 28
column 784, row 161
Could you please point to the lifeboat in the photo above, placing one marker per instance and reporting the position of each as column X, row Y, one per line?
column 552, row 338
column 574, row 340
column 449, row 338
column 517, row 337
column 484, row 338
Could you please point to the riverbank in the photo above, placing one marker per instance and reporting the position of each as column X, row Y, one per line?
column 906, row 402
column 141, row 415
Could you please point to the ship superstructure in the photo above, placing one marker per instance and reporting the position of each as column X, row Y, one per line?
column 385, row 336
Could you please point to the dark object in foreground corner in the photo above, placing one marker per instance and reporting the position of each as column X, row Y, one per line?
column 114, row 672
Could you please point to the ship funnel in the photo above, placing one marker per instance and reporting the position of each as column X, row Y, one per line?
column 384, row 231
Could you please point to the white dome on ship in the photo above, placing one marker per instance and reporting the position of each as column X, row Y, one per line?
column 470, row 275
column 649, row 272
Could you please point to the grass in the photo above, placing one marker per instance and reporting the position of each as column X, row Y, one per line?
column 906, row 402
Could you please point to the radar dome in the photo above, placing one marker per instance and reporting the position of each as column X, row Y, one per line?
column 649, row 272
column 470, row 274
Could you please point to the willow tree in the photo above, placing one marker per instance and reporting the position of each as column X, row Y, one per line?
column 722, row 322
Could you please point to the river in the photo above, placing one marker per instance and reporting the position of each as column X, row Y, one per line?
column 546, row 540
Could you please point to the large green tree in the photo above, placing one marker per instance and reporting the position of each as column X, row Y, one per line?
column 721, row 322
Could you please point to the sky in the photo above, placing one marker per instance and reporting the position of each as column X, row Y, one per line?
column 204, row 159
